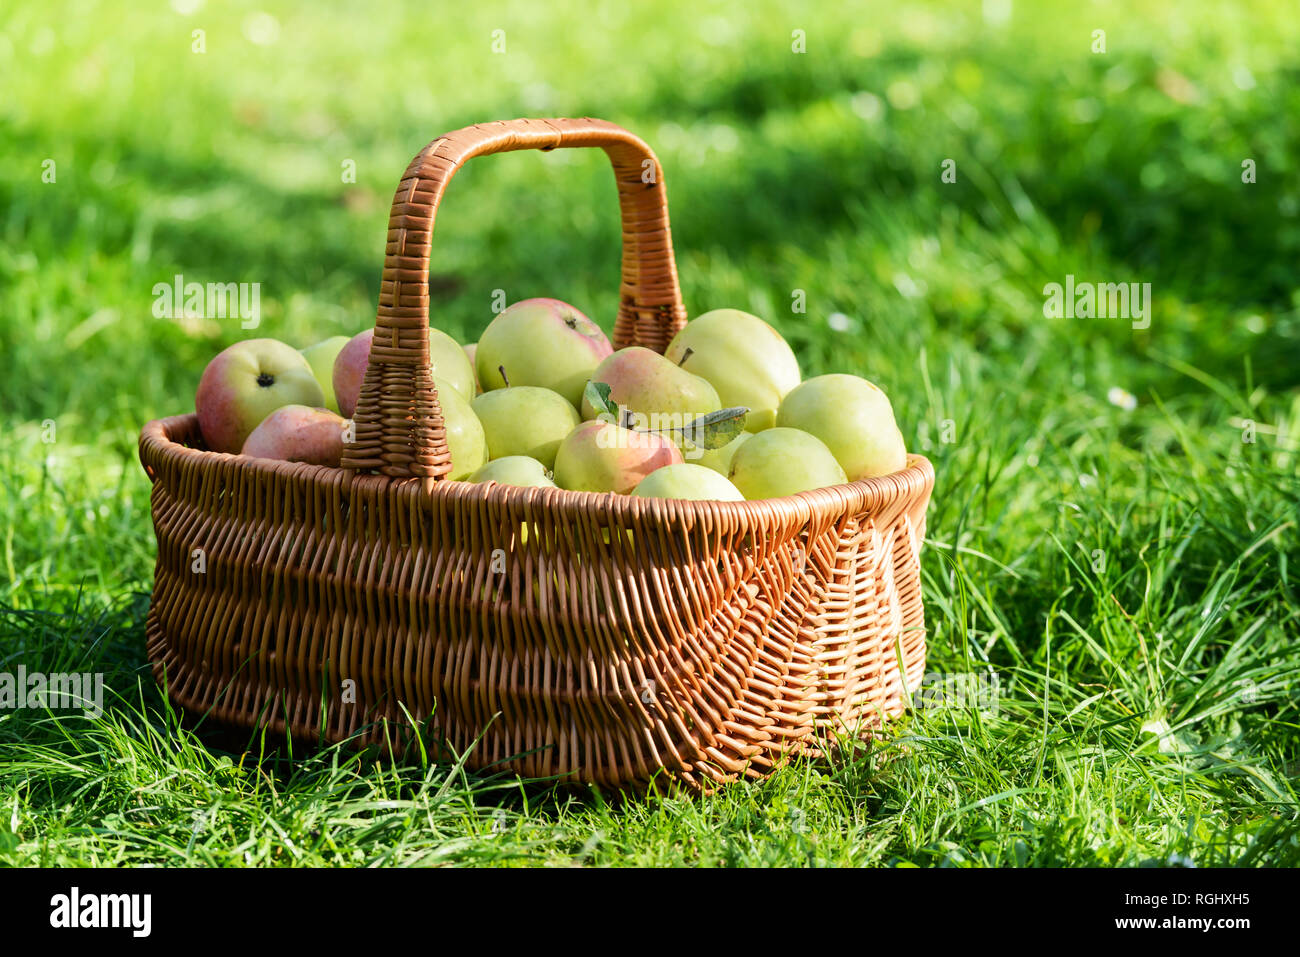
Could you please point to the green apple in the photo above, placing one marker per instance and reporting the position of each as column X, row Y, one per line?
column 543, row 342
column 298, row 433
column 717, row 459
column 855, row 420
column 525, row 420
column 470, row 349
column 599, row 456
column 514, row 470
column 245, row 383
column 449, row 362
column 465, row 437
column 688, row 481
column 645, row 383
column 782, row 461
column 743, row 357
column 321, row 358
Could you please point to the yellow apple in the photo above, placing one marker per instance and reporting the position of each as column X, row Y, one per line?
column 525, row 420
column 688, row 481
column 542, row 342
column 465, row 437
column 744, row 359
column 855, row 420
column 782, row 461
column 514, row 470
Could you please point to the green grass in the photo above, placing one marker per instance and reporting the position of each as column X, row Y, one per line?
column 1131, row 575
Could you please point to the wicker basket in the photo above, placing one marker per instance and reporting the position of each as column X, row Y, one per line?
column 587, row 637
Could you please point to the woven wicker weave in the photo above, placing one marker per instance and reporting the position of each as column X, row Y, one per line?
column 590, row 637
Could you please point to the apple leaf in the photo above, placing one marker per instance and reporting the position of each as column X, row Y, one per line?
column 716, row 429
column 601, row 399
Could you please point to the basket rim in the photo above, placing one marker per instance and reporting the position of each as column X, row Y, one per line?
column 897, row 488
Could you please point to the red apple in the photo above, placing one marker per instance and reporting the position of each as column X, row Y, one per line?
column 599, row 456
column 350, row 371
column 245, row 383
column 299, row 433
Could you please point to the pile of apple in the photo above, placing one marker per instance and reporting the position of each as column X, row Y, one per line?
column 544, row 400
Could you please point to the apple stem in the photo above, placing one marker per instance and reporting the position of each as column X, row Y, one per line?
column 502, row 370
column 685, row 355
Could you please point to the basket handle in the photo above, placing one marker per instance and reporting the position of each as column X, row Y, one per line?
column 398, row 426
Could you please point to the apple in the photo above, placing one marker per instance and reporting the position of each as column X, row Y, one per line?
column 470, row 349
column 688, row 481
column 717, row 459
column 321, row 358
column 543, row 342
column 525, row 420
column 446, row 358
column 298, row 433
column 599, row 456
column 782, row 461
column 514, row 470
column 465, row 437
column 743, row 357
column 644, row 382
column 855, row 420
column 245, row 383
column 350, row 371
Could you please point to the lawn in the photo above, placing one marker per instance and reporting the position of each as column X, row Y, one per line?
column 1115, row 530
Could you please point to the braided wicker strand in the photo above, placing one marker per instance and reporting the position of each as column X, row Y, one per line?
column 398, row 422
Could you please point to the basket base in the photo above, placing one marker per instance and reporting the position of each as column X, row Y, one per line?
column 330, row 606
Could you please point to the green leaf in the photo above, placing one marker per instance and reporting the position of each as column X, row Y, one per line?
column 598, row 394
column 716, row 429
